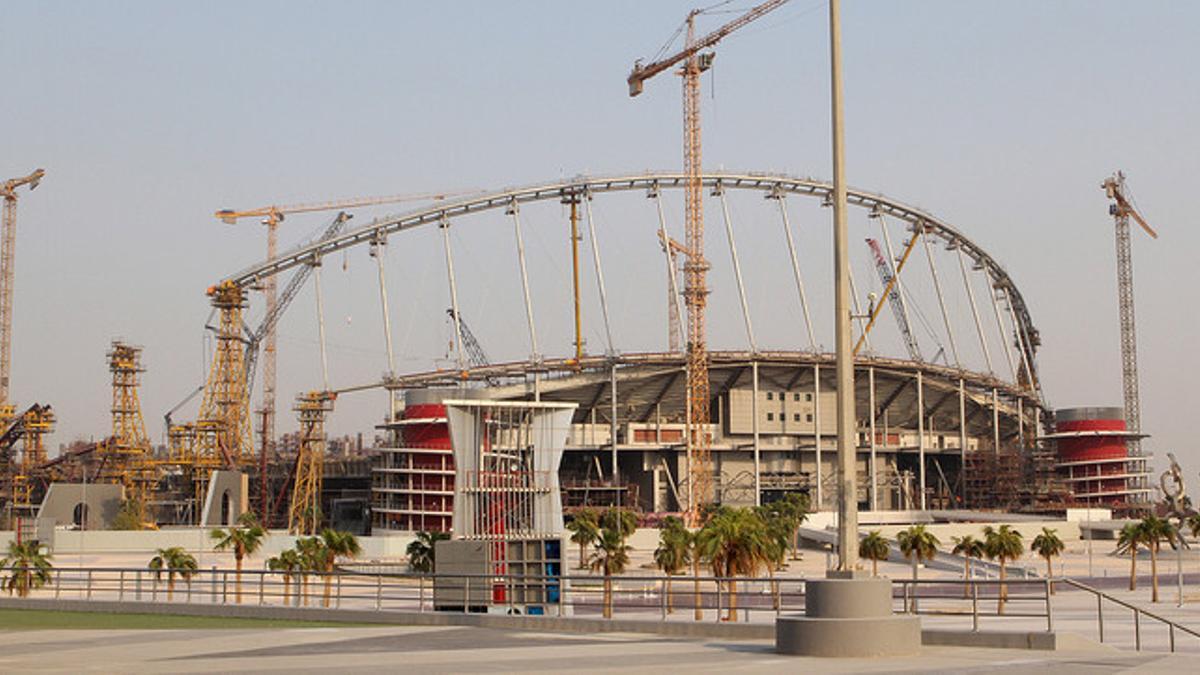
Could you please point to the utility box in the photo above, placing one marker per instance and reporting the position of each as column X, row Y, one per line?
column 460, row 557
column 499, row 577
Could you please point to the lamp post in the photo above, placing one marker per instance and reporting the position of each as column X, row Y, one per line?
column 847, row 449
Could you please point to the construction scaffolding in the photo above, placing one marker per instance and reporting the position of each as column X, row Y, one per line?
column 304, row 514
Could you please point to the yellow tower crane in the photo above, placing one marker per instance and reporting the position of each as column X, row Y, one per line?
column 694, row 62
column 8, row 245
column 304, row 513
column 125, row 455
column 272, row 216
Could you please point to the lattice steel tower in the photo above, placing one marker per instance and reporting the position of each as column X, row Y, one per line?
column 1121, row 210
column 304, row 513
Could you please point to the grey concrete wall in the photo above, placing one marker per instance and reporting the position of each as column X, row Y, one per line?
column 236, row 486
column 103, row 503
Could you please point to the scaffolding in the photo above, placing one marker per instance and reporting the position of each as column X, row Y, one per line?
column 304, row 513
column 125, row 456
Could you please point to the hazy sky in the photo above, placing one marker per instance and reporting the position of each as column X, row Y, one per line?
column 1002, row 118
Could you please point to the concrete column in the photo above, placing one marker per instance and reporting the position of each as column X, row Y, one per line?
column 616, row 471
column 873, row 469
column 817, row 432
column 962, row 430
column 921, row 437
column 996, row 420
column 757, row 458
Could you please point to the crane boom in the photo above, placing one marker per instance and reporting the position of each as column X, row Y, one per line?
column 641, row 73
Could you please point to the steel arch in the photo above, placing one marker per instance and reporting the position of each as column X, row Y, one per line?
column 585, row 186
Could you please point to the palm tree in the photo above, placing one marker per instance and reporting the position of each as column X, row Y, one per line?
column 1003, row 544
column 622, row 521
column 793, row 507
column 337, row 544
column 585, row 529
column 30, row 568
column 778, row 528
column 1155, row 530
column 1128, row 541
column 610, row 556
column 1047, row 544
column 968, row 547
column 1193, row 523
column 422, row 550
column 243, row 539
column 673, row 554
column 288, row 562
column 734, row 542
column 312, row 559
column 917, row 544
column 176, row 561
column 874, row 547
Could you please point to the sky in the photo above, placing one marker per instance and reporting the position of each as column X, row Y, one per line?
column 1001, row 118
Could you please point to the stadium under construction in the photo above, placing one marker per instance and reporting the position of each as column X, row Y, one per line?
column 950, row 409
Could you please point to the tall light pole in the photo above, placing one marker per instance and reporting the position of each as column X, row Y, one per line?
column 847, row 444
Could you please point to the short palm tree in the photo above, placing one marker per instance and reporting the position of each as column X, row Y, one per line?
column 1047, row 545
column 969, row 548
column 1128, row 541
column 1155, row 531
column 610, row 556
column 28, row 567
column 777, row 531
column 288, row 563
column 917, row 544
column 243, row 539
column 312, row 559
column 176, row 561
column 734, row 542
column 874, row 547
column 1003, row 544
column 621, row 521
column 1193, row 523
column 794, row 508
column 585, row 529
column 673, row 554
column 422, row 550
column 337, row 544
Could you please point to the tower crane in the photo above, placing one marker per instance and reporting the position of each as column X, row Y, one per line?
column 1121, row 210
column 694, row 62
column 272, row 216
column 8, row 244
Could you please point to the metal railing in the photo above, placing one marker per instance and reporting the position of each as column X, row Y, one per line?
column 390, row 588
column 1138, row 613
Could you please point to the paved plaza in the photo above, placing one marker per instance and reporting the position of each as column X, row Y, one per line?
column 466, row 650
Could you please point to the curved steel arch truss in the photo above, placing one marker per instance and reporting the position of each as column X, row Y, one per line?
column 585, row 186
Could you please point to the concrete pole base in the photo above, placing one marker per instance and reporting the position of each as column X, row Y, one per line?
column 848, row 618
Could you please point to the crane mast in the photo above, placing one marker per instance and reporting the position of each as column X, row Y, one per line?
column 1121, row 210
column 692, row 63
column 8, row 244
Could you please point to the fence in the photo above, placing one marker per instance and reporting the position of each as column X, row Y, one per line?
column 1010, row 604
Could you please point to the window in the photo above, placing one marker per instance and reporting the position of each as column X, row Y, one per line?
column 795, row 417
column 795, row 397
column 808, row 397
column 808, row 417
column 770, row 396
column 770, row 417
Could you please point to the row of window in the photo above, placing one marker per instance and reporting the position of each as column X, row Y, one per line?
column 783, row 396
column 795, row 417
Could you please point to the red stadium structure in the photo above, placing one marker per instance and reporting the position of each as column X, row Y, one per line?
column 1094, row 457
